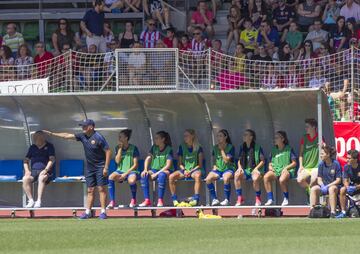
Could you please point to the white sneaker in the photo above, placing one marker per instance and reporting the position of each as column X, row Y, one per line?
column 215, row 202
column 225, row 202
column 269, row 202
column 285, row 202
column 37, row 204
column 30, row 203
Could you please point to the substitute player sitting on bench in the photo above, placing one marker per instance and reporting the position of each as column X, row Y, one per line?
column 351, row 180
column 41, row 154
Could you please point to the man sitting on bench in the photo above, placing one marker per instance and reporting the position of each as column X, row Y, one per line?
column 41, row 154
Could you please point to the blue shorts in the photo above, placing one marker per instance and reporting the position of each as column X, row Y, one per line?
column 95, row 178
column 220, row 174
column 131, row 173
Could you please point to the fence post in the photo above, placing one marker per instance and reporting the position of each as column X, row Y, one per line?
column 209, row 64
column 352, row 83
column 71, row 71
column 177, row 85
column 117, row 69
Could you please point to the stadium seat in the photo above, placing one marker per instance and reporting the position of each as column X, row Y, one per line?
column 11, row 170
column 70, row 171
column 31, row 31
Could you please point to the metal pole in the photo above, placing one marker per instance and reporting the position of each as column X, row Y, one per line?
column 177, row 69
column 209, row 63
column 41, row 23
column 352, row 117
column 319, row 118
column 117, row 69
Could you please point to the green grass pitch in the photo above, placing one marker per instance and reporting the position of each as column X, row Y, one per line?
column 284, row 235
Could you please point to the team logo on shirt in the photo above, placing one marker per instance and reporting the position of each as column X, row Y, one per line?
column 92, row 142
column 332, row 171
column 46, row 148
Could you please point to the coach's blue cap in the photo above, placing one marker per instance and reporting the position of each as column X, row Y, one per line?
column 87, row 122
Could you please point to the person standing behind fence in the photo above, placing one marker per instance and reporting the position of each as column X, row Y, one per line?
column 97, row 153
column 223, row 157
column 190, row 162
column 42, row 60
column 128, row 38
column 158, row 166
column 13, row 39
column 38, row 165
column 93, row 25
column 309, row 156
column 150, row 35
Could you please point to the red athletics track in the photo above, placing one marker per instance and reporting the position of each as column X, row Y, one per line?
column 129, row 213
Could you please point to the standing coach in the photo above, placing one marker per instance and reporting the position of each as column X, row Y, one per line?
column 97, row 153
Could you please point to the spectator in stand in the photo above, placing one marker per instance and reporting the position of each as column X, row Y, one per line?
column 6, row 64
column 158, row 11
column 307, row 13
column 12, row 38
column 284, row 54
column 293, row 77
column 283, row 16
column 294, row 37
column 170, row 40
column 306, row 51
column 248, row 37
column 199, row 43
column 240, row 57
column 93, row 25
column 318, row 35
column 118, row 6
column 133, row 6
column 350, row 10
column 109, row 58
column 63, row 35
column 150, row 35
column 202, row 18
column 338, row 36
column 235, row 22
column 184, row 43
column 318, row 78
column 268, row 36
column 258, row 13
column 330, row 15
column 6, row 56
column 271, row 79
column 242, row 5
column 128, row 38
column 137, row 62
column 161, row 65
column 261, row 54
column 80, row 41
column 215, row 5
column 353, row 35
column 217, row 57
column 108, row 35
column 229, row 79
column 42, row 60
column 24, row 59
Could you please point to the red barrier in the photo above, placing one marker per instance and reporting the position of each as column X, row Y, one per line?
column 347, row 137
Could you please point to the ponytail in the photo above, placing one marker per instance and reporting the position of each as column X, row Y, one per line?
column 166, row 136
column 226, row 134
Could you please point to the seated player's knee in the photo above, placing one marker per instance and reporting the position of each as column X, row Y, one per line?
column 132, row 180
column 43, row 178
column 112, row 177
column 91, row 190
column 27, row 178
column 197, row 177
column 343, row 190
column 333, row 189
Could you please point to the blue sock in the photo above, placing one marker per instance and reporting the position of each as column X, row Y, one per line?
column 133, row 188
column 286, row 195
column 111, row 188
column 227, row 191
column 258, row 193
column 174, row 197
column 211, row 188
column 270, row 195
column 145, row 186
column 196, row 197
column 238, row 192
column 162, row 184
